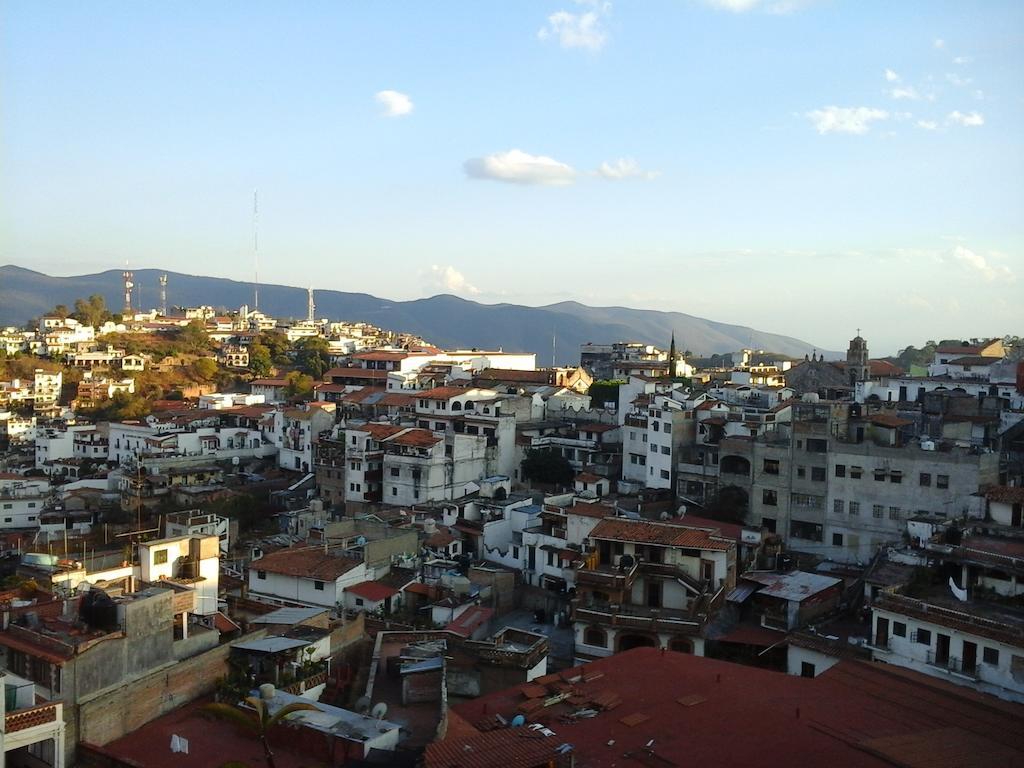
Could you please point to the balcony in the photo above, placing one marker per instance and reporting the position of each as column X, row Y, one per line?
column 607, row 577
column 23, row 719
column 954, row 665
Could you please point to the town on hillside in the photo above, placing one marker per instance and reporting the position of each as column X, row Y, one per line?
column 234, row 539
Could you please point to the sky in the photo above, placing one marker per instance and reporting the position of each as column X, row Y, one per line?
column 807, row 168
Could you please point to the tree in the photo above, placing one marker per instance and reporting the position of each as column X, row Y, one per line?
column 278, row 345
column 547, row 466
column 205, row 368
column 312, row 355
column 604, row 391
column 300, row 386
column 259, row 721
column 194, row 337
column 92, row 311
column 260, row 362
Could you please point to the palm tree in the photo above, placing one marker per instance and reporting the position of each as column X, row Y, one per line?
column 259, row 721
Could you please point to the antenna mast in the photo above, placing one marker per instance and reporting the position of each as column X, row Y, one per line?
column 128, row 285
column 310, row 307
column 163, row 295
column 256, row 247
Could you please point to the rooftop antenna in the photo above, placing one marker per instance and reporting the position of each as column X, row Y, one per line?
column 310, row 307
column 553, row 347
column 163, row 295
column 128, row 285
column 256, row 247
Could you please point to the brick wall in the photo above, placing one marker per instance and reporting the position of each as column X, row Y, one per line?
column 116, row 712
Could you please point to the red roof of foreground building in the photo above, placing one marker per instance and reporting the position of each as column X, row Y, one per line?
column 373, row 591
column 664, row 534
column 669, row 709
column 470, row 621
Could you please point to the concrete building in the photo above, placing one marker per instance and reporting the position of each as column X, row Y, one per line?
column 308, row 576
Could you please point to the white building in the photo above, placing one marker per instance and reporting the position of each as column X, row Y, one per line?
column 297, row 429
column 304, row 576
column 968, row 643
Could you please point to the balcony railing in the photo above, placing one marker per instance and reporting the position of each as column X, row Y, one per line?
column 636, row 616
column 23, row 719
column 608, row 577
column 953, row 664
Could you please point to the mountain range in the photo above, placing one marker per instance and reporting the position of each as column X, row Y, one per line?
column 445, row 320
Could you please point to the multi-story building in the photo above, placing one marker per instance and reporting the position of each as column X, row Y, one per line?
column 969, row 642
column 22, row 499
column 297, row 430
column 420, row 465
column 307, row 576
column 654, row 584
column 652, row 437
column 46, row 388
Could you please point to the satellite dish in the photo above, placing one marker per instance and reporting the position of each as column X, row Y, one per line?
column 379, row 710
column 518, row 721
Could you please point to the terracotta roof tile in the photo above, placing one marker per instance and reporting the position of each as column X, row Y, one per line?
column 644, row 532
column 305, row 563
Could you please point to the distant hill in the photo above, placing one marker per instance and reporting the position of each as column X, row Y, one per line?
column 448, row 321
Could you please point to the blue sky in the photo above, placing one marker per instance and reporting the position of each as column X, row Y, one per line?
column 802, row 167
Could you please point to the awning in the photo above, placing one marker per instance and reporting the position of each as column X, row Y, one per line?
column 742, row 592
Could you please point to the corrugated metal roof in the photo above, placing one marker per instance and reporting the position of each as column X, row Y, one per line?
column 270, row 644
column 288, row 616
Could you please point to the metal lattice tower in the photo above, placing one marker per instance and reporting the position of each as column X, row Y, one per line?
column 310, row 307
column 163, row 295
column 128, row 285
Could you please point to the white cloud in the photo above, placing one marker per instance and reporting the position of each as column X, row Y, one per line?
column 855, row 120
column 939, row 43
column 624, row 168
column 905, row 92
column 518, row 167
column 962, row 60
column 958, row 81
column 928, row 125
column 966, row 119
column 891, row 76
column 394, row 103
column 978, row 263
column 579, row 30
column 449, row 280
column 770, row 6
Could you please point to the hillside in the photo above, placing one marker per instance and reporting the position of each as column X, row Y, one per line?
column 446, row 320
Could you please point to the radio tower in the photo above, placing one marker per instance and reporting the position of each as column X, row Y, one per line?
column 128, row 285
column 310, row 307
column 256, row 248
column 163, row 295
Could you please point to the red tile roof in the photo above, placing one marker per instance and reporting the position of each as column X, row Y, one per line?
column 441, row 393
column 589, row 477
column 382, row 355
column 965, row 349
column 664, row 534
column 379, row 431
column 355, row 373
column 470, row 620
column 1005, row 494
column 888, row 419
column 373, row 591
column 716, row 713
column 305, row 563
column 414, row 438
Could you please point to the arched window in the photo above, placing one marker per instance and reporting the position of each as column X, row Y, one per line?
column 456, row 405
column 596, row 637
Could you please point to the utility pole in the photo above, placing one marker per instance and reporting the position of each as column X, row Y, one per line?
column 163, row 295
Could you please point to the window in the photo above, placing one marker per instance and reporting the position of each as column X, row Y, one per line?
column 876, row 510
column 666, row 449
column 596, row 637
column 262, row 575
column 799, row 529
column 667, row 427
column 657, row 426
column 818, row 474
column 515, row 553
column 838, row 506
column 855, row 473
column 923, row 636
column 879, row 475
column 942, row 481
column 768, row 523
column 815, row 445
column 837, row 539
column 159, row 556
column 840, row 470
column 359, row 601
column 654, row 448
column 801, row 472
column 318, row 586
column 896, row 477
column 899, row 629
column 990, row 656
column 894, row 513
column 806, row 669
column 925, row 480
column 394, row 471
column 854, row 507
column 665, row 474
column 769, row 497
column 394, row 491
column 771, row 466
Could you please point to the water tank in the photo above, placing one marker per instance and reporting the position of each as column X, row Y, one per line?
column 927, row 445
column 316, row 506
column 810, row 397
column 429, row 526
column 267, row 691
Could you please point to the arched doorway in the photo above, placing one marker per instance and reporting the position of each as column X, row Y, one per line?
column 629, row 641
